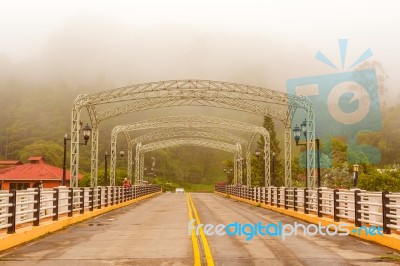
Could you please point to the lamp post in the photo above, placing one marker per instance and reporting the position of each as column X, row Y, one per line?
column 106, row 155
column 297, row 134
column 87, row 130
column 228, row 171
column 355, row 175
column 273, row 169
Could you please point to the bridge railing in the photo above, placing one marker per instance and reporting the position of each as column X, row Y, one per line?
column 363, row 208
column 31, row 206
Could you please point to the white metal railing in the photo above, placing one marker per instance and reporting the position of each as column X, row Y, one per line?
column 360, row 207
column 18, row 207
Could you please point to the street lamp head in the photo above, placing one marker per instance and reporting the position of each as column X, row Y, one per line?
column 87, row 130
column 304, row 128
column 273, row 154
column 296, row 134
column 257, row 153
column 121, row 153
column 225, row 170
column 355, row 168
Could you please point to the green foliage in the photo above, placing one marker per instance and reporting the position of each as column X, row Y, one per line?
column 258, row 169
column 52, row 152
column 376, row 180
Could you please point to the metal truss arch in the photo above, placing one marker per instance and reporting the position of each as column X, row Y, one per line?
column 199, row 142
column 165, row 133
column 191, row 122
column 191, row 92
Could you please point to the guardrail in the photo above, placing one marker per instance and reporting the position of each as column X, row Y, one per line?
column 18, row 207
column 359, row 207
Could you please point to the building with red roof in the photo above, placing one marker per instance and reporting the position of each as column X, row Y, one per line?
column 5, row 164
column 31, row 174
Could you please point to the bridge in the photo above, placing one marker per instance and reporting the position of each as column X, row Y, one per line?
column 142, row 226
column 238, row 224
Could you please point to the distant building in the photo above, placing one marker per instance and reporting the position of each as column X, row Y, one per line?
column 22, row 176
column 5, row 164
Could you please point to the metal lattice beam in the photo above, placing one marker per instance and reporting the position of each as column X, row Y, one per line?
column 166, row 133
column 192, row 122
column 199, row 142
column 187, row 92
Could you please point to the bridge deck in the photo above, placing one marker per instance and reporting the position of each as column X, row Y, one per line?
column 155, row 232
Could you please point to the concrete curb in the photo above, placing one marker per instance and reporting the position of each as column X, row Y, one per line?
column 30, row 233
column 392, row 240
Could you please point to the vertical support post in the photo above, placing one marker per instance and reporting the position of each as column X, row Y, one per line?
column 265, row 195
column 305, row 200
column 56, row 203
column 100, row 196
column 357, row 207
column 91, row 197
column 112, row 198
column 336, row 205
column 272, row 196
column 278, row 197
column 385, row 212
column 64, row 177
column 319, row 202
column 113, row 161
column 36, row 206
column 285, row 198
column 82, row 201
column 295, row 199
column 94, row 154
column 267, row 158
column 70, row 202
column 74, row 165
column 130, row 162
column 318, row 163
column 13, row 211
column 106, row 196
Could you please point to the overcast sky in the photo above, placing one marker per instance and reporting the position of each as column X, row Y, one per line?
column 255, row 42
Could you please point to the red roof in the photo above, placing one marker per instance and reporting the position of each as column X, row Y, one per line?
column 10, row 162
column 33, row 171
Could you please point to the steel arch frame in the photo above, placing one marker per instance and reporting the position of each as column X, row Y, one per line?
column 211, row 133
column 200, row 142
column 192, row 92
column 190, row 122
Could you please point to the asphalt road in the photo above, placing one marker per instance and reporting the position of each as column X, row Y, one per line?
column 155, row 232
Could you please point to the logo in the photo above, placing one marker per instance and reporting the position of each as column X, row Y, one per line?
column 249, row 231
column 344, row 103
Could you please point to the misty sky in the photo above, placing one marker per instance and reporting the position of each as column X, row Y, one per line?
column 253, row 42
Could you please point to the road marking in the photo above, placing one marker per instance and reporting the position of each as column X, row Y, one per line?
column 196, row 248
column 207, row 250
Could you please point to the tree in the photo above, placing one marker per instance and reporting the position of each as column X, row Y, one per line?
column 374, row 180
column 258, row 164
column 51, row 151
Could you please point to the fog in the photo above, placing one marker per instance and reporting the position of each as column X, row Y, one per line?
column 132, row 42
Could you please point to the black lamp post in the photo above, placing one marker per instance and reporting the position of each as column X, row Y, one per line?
column 297, row 134
column 355, row 175
column 87, row 130
column 106, row 155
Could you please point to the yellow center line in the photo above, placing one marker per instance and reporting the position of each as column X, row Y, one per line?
column 196, row 248
column 207, row 250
